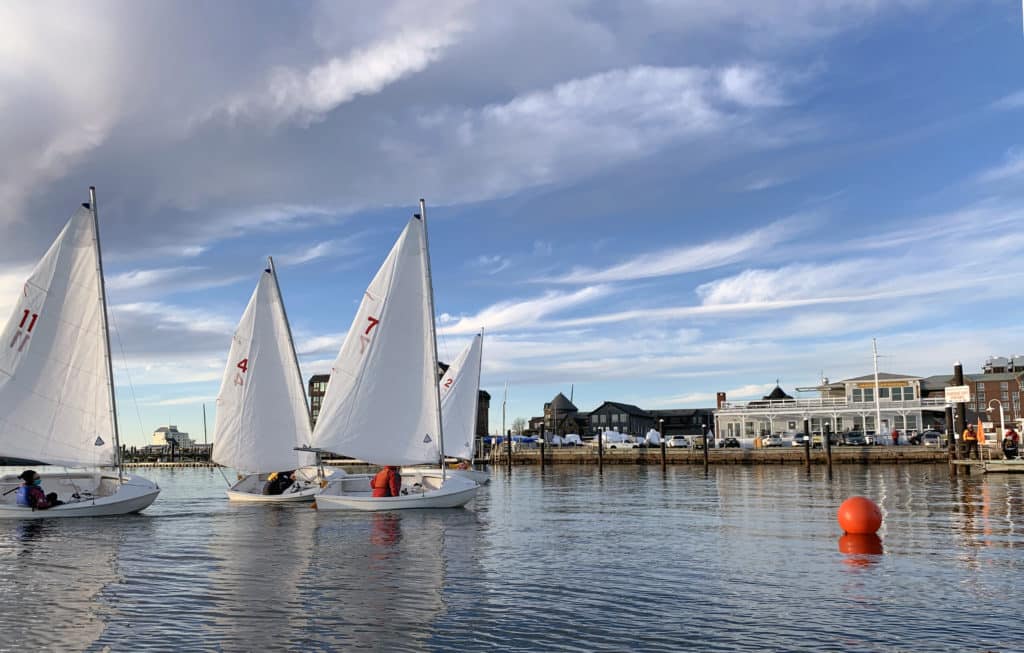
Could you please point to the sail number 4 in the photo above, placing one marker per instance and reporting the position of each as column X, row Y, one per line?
column 23, row 334
column 244, row 366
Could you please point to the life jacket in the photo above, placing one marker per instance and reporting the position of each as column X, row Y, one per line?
column 32, row 496
column 383, row 482
column 970, row 435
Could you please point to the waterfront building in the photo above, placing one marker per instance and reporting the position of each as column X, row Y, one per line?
column 847, row 405
column 624, row 418
column 164, row 435
column 683, row 421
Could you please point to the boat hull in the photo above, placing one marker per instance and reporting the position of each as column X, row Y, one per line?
column 1007, row 466
column 249, row 489
column 478, row 476
column 424, row 492
column 130, row 495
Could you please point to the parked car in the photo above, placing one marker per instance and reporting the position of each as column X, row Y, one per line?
column 798, row 440
column 572, row 440
column 933, row 439
column 698, row 442
column 774, row 440
column 854, row 439
column 680, row 441
column 818, row 441
column 730, row 443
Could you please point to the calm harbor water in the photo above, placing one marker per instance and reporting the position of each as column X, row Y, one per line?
column 747, row 558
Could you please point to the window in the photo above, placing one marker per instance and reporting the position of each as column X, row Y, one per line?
column 869, row 394
column 911, row 421
column 883, row 393
column 1004, row 386
column 857, row 395
column 908, row 393
column 602, row 419
column 1004, row 395
column 624, row 418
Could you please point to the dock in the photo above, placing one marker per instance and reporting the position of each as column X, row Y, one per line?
column 771, row 456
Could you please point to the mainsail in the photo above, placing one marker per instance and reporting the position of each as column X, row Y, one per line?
column 381, row 402
column 55, row 403
column 261, row 407
column 460, row 390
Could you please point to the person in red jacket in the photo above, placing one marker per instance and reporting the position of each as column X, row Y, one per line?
column 387, row 482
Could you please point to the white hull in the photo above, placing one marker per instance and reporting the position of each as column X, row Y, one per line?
column 1015, row 465
column 100, row 494
column 250, row 488
column 424, row 491
column 478, row 476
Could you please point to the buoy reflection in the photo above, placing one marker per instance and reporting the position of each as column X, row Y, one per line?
column 861, row 549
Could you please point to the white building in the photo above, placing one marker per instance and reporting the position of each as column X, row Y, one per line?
column 163, row 435
column 848, row 405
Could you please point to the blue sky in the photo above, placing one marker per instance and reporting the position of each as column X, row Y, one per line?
column 650, row 201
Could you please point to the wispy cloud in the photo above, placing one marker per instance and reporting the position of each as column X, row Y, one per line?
column 492, row 264
column 681, row 260
column 522, row 313
column 323, row 249
column 1011, row 168
column 1009, row 102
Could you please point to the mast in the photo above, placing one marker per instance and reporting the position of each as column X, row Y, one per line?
column 204, row 423
column 433, row 334
column 476, row 403
column 291, row 341
column 106, row 331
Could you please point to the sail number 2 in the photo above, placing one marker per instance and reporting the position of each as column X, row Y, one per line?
column 24, row 333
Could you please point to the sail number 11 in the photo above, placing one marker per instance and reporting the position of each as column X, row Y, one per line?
column 23, row 334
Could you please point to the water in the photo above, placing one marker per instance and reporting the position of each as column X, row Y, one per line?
column 747, row 558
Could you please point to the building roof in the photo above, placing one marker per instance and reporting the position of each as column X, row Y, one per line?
column 996, row 376
column 882, row 376
column 776, row 395
column 629, row 409
column 562, row 404
column 680, row 412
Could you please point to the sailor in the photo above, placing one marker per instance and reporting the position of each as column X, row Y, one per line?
column 278, row 482
column 970, row 442
column 31, row 495
column 1010, row 449
column 387, row 482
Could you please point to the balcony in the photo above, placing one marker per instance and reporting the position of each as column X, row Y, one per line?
column 826, row 404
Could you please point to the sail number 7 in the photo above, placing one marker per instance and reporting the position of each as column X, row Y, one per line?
column 22, row 335
column 364, row 338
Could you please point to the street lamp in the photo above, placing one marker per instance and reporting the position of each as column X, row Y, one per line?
column 1002, row 420
column 661, row 427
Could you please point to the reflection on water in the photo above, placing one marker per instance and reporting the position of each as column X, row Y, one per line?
column 564, row 559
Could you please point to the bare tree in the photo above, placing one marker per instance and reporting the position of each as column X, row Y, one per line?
column 519, row 425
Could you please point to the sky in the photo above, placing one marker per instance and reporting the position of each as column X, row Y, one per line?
column 644, row 202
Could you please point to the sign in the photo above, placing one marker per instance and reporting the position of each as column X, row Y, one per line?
column 883, row 384
column 958, row 394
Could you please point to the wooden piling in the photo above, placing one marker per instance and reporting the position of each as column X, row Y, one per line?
column 707, row 448
column 951, row 441
column 664, row 461
column 807, row 444
column 826, row 438
column 508, row 449
column 600, row 453
column 960, row 418
column 543, row 437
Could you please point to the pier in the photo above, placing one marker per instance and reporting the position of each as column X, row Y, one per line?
column 771, row 456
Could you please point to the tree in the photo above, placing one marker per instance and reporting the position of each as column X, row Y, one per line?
column 519, row 425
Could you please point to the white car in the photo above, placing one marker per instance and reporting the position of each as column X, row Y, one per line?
column 572, row 440
column 678, row 441
column 774, row 440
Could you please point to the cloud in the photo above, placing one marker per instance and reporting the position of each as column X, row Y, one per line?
column 1012, row 168
column 523, row 313
column 323, row 249
column 543, row 248
column 492, row 264
column 681, row 260
column 1010, row 102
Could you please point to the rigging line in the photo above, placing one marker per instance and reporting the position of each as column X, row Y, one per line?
column 124, row 360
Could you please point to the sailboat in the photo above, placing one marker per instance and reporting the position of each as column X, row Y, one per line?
column 57, row 402
column 382, row 403
column 460, row 401
column 262, row 414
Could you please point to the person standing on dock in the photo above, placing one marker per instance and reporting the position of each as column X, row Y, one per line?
column 970, row 442
column 895, row 437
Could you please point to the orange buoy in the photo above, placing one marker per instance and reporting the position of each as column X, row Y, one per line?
column 860, row 544
column 859, row 515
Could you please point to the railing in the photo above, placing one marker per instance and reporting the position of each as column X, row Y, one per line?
column 838, row 403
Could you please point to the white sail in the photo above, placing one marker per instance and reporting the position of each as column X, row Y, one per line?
column 261, row 407
column 460, row 390
column 54, row 389
column 381, row 403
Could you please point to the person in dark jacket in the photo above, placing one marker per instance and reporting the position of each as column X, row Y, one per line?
column 1010, row 448
column 387, row 482
column 31, row 494
column 278, row 482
